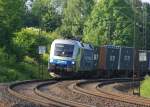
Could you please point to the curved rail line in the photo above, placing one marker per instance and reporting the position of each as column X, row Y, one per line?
column 68, row 102
column 37, row 96
column 139, row 101
column 13, row 89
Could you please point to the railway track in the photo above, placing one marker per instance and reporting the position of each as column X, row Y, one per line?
column 74, row 93
column 95, row 90
column 25, row 90
column 141, row 101
column 30, row 91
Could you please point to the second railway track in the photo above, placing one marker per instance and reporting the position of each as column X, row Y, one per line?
column 74, row 93
column 94, row 89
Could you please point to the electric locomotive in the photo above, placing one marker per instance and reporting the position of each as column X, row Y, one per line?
column 70, row 58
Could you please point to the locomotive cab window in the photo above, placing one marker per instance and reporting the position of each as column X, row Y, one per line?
column 64, row 50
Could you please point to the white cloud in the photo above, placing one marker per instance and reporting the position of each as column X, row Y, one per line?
column 145, row 1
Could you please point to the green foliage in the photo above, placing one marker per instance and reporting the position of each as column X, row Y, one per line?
column 147, row 30
column 29, row 70
column 7, row 68
column 6, row 60
column 45, row 58
column 7, row 74
column 145, row 87
column 110, row 23
column 28, row 39
column 11, row 19
column 74, row 15
column 10, row 70
column 46, row 14
column 29, row 60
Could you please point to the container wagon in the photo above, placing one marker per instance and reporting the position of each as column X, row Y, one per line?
column 125, row 65
column 109, row 59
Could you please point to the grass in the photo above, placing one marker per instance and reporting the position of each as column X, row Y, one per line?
column 145, row 87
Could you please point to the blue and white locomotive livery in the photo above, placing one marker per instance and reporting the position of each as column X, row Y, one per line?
column 70, row 57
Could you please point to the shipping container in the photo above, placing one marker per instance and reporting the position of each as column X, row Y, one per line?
column 86, row 62
column 109, row 57
column 148, row 60
column 141, row 61
column 102, row 58
column 126, row 58
column 96, row 58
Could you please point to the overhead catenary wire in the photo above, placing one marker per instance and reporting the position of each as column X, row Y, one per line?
column 143, row 36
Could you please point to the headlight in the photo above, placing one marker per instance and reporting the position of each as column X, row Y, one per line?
column 51, row 60
column 73, row 62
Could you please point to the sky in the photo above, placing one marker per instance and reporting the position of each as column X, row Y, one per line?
column 145, row 1
column 29, row 4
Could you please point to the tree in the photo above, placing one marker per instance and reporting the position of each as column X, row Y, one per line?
column 111, row 22
column 59, row 5
column 75, row 13
column 147, row 25
column 46, row 14
column 27, row 40
column 11, row 19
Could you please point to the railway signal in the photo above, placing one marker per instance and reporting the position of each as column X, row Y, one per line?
column 41, row 51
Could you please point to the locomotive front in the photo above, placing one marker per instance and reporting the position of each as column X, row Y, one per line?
column 62, row 58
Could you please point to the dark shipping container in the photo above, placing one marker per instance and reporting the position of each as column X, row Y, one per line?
column 109, row 57
column 148, row 60
column 86, row 62
column 126, row 58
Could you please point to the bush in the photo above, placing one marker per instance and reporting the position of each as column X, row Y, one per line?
column 10, row 70
column 27, row 40
column 145, row 87
column 5, row 59
column 45, row 59
column 29, row 60
column 8, row 74
column 23, row 64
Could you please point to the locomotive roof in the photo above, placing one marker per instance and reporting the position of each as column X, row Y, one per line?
column 65, row 41
column 114, row 46
column 69, row 41
column 111, row 46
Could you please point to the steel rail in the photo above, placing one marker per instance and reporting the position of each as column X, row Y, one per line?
column 50, row 103
column 57, row 99
column 129, row 99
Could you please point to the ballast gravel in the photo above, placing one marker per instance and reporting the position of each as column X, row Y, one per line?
column 7, row 100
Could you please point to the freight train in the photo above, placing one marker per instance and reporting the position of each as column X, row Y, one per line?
column 73, row 58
